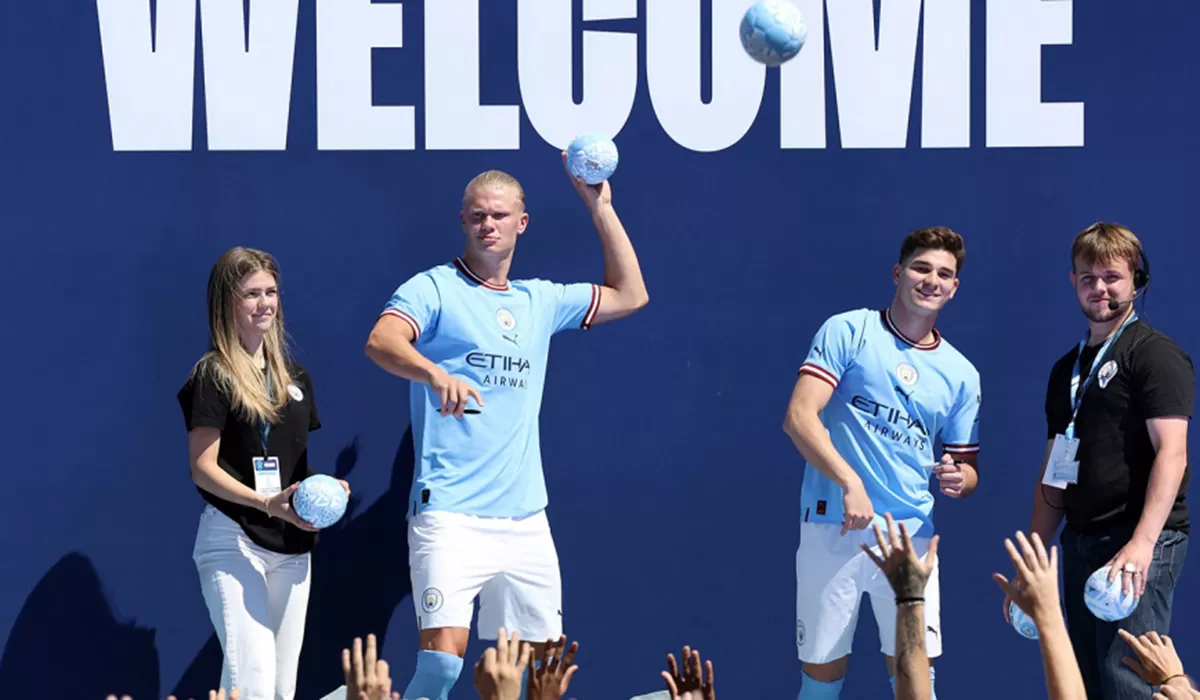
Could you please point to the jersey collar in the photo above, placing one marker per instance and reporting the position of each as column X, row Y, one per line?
column 466, row 271
column 886, row 316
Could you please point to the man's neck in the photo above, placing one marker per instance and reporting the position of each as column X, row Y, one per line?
column 493, row 270
column 918, row 329
column 1100, row 332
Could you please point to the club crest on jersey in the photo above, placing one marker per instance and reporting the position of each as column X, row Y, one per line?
column 295, row 393
column 801, row 633
column 506, row 319
column 1107, row 372
column 907, row 374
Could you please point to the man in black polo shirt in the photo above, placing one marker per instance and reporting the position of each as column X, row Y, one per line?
column 1123, row 409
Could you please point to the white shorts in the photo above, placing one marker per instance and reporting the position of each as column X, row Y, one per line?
column 832, row 574
column 510, row 564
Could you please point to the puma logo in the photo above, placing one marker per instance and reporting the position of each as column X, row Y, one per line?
column 906, row 394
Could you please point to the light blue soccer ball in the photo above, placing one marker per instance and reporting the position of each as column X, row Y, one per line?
column 320, row 500
column 592, row 157
column 773, row 31
column 1105, row 600
column 1021, row 622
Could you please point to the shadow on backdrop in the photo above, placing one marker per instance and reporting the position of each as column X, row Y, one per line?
column 359, row 576
column 68, row 639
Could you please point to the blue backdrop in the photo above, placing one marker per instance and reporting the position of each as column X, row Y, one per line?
column 674, row 492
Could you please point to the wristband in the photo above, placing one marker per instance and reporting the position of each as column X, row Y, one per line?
column 267, row 507
column 909, row 601
column 1168, row 679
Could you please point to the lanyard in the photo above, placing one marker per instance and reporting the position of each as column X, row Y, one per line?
column 266, row 426
column 1077, row 392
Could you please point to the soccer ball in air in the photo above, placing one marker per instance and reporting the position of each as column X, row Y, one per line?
column 320, row 500
column 1105, row 599
column 592, row 157
column 773, row 31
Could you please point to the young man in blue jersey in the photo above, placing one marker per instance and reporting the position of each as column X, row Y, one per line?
column 882, row 405
column 474, row 344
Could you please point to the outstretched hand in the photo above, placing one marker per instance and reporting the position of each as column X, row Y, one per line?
column 695, row 683
column 898, row 559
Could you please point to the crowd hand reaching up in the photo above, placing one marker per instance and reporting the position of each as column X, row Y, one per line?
column 550, row 682
column 366, row 675
column 898, row 559
column 1035, row 588
column 498, row 672
column 696, row 682
column 280, row 506
column 1158, row 663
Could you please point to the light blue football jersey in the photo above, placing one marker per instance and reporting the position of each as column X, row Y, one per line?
column 497, row 339
column 896, row 408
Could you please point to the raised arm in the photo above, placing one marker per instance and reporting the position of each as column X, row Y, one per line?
column 624, row 290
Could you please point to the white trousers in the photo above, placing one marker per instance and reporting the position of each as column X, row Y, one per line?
column 257, row 600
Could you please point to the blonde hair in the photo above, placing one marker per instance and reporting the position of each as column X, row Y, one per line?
column 494, row 179
column 227, row 361
column 1104, row 242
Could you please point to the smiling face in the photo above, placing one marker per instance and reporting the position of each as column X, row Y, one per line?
column 926, row 281
column 255, row 306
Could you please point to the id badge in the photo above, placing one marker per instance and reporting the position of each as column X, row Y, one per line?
column 1062, row 468
column 266, row 476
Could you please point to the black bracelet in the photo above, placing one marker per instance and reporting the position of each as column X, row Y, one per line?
column 909, row 601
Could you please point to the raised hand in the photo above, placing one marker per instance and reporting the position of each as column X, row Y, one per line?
column 366, row 675
column 550, row 682
column 498, row 673
column 1035, row 588
column 898, row 559
column 696, row 681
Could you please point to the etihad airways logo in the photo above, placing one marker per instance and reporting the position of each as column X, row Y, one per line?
column 248, row 70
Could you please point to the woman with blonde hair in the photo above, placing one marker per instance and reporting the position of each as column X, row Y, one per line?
column 249, row 408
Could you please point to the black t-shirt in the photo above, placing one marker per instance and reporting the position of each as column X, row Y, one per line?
column 206, row 404
column 1144, row 375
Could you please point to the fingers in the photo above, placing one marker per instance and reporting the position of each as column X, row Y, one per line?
column 892, row 535
column 871, row 553
column 444, row 395
column 671, row 667
column 1017, row 560
column 1135, row 665
column 369, row 662
column 346, row 665
column 502, row 646
column 384, row 679
column 883, row 545
column 356, row 663
column 569, row 659
column 669, row 678
column 930, row 557
column 708, row 668
column 475, row 392
column 1039, row 551
column 1027, row 552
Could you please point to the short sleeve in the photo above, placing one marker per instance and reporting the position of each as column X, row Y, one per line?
column 832, row 350
column 961, row 435
column 1058, row 403
column 416, row 302
column 203, row 402
column 574, row 305
column 1164, row 381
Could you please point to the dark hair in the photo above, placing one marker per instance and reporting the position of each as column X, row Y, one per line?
column 934, row 238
